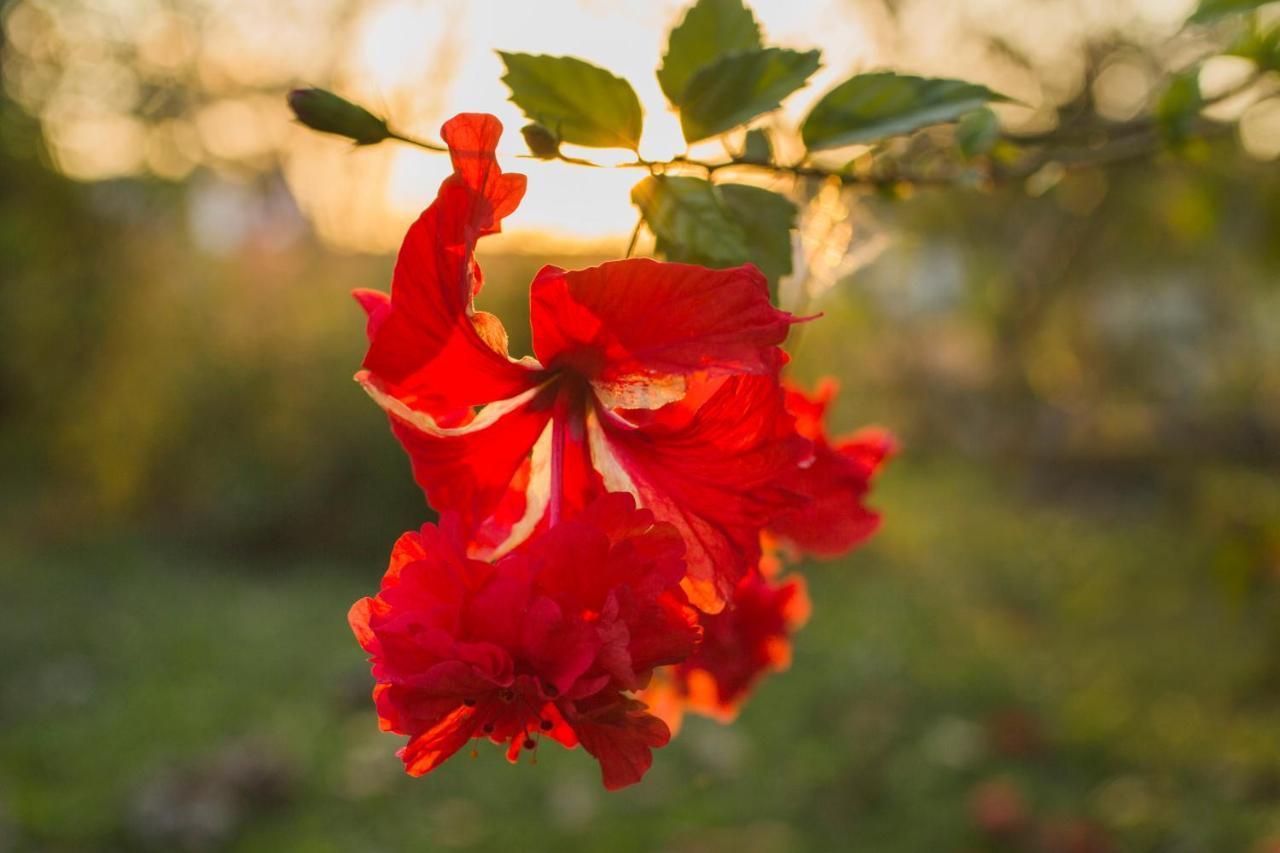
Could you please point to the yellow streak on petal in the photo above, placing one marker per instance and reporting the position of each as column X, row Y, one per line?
column 640, row 392
column 703, row 593
column 615, row 477
column 536, row 499
column 424, row 423
column 491, row 331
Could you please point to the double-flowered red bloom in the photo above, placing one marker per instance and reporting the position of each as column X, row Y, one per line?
column 752, row 638
column 740, row 645
column 544, row 642
column 602, row 503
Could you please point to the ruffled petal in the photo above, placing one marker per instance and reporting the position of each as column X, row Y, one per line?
column 834, row 518
column 559, row 649
column 403, row 711
column 622, row 737
column 542, row 642
column 427, row 751
column 472, row 139
column 664, row 634
column 359, row 617
column 428, row 349
column 714, row 474
column 377, row 307
column 636, row 328
column 742, row 644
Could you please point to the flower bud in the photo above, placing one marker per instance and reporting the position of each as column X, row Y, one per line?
column 542, row 142
column 320, row 109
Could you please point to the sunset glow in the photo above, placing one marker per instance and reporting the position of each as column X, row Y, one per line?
column 419, row 61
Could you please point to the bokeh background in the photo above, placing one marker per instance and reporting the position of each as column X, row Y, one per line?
column 1065, row 638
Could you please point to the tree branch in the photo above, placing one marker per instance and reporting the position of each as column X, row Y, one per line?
column 1074, row 146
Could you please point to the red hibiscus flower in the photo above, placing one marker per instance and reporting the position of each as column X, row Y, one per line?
column 655, row 379
column 746, row 641
column 751, row 637
column 834, row 518
column 548, row 641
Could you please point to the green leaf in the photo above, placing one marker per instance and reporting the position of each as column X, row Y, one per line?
column 1260, row 47
column 869, row 107
column 767, row 219
column 710, row 29
column 320, row 109
column 757, row 148
column 1179, row 107
column 689, row 221
column 740, row 86
column 1209, row 10
column 977, row 132
column 578, row 102
column 697, row 222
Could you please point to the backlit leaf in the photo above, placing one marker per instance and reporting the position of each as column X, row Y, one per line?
column 689, row 220
column 767, row 218
column 740, row 86
column 977, row 132
column 1208, row 10
column 575, row 100
column 870, row 107
column 710, row 29
column 724, row 225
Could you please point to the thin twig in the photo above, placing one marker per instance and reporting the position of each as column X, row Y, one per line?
column 635, row 238
column 430, row 146
column 1117, row 141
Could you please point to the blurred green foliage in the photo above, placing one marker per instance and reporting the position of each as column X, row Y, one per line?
column 1003, row 668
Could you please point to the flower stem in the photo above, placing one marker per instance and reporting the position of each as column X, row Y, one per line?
column 421, row 143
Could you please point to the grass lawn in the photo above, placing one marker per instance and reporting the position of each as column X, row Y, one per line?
column 999, row 670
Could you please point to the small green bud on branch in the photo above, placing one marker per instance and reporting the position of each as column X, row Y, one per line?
column 542, row 143
column 320, row 109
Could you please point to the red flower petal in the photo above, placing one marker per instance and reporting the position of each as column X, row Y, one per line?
column 743, row 643
column 619, row 570
column 713, row 474
column 622, row 738
column 560, row 649
column 610, row 544
column 635, row 327
column 471, row 471
column 472, row 139
column 836, row 482
column 540, row 643
column 427, row 751
column 666, row 634
column 426, row 349
column 377, row 307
